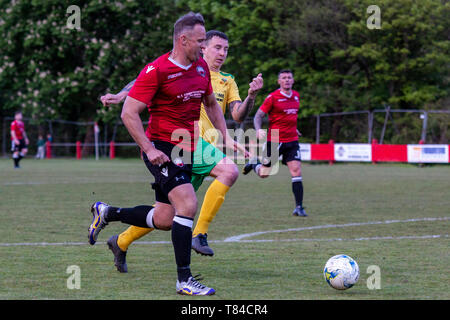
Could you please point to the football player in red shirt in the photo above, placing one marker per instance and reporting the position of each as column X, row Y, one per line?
column 19, row 139
column 172, row 88
column 282, row 139
column 223, row 169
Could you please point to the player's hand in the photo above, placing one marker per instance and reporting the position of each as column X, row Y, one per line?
column 261, row 134
column 244, row 151
column 16, row 142
column 299, row 133
column 239, row 147
column 231, row 144
column 157, row 157
column 256, row 85
column 110, row 98
column 27, row 142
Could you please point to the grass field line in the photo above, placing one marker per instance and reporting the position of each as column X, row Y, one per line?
column 241, row 238
column 327, row 226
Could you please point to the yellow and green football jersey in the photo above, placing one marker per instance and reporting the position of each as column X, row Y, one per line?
column 226, row 91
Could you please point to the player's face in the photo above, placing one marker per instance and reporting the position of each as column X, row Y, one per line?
column 194, row 42
column 215, row 52
column 18, row 117
column 286, row 80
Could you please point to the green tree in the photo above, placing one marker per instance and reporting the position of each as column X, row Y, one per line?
column 51, row 71
column 405, row 62
column 340, row 64
column 251, row 26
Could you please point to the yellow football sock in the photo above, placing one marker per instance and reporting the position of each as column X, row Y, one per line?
column 214, row 197
column 131, row 234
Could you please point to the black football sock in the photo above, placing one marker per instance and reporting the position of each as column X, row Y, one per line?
column 182, row 242
column 297, row 189
column 16, row 161
column 19, row 158
column 137, row 216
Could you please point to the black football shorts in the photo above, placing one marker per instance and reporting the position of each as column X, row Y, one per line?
column 289, row 151
column 18, row 147
column 171, row 174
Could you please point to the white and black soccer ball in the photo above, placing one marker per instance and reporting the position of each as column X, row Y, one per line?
column 341, row 272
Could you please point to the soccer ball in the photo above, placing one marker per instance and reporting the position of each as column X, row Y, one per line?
column 341, row 272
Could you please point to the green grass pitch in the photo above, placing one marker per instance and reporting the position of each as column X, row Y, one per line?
column 394, row 216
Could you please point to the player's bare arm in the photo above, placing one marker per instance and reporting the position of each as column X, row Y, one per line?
column 14, row 137
column 257, row 123
column 27, row 142
column 117, row 98
column 132, row 121
column 240, row 110
column 128, row 87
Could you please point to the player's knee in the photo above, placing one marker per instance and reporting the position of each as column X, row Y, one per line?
column 295, row 168
column 189, row 208
column 232, row 173
column 227, row 172
column 164, row 225
column 163, row 217
column 184, row 200
column 192, row 207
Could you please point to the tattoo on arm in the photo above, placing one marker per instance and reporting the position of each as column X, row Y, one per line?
column 231, row 106
column 128, row 87
column 257, row 120
column 246, row 106
column 242, row 108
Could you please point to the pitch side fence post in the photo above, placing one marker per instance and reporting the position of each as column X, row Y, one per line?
column 386, row 117
column 318, row 129
column 370, row 124
column 424, row 117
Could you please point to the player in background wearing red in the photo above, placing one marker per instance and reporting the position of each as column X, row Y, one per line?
column 173, row 88
column 19, row 139
column 282, row 108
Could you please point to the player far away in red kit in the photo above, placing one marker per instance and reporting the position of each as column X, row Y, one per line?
column 282, row 107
